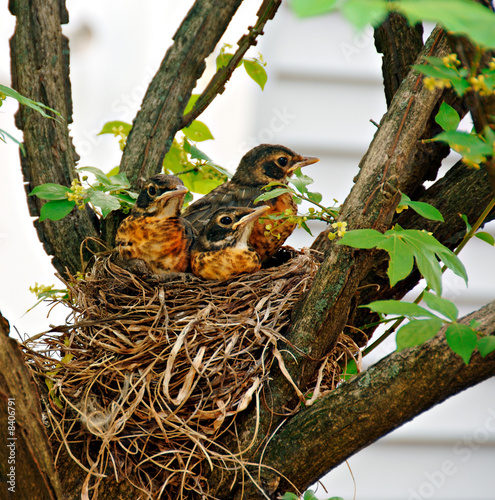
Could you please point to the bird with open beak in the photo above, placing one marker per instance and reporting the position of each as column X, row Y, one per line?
column 260, row 166
column 222, row 249
column 155, row 238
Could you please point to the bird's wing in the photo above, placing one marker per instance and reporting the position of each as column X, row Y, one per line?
column 225, row 195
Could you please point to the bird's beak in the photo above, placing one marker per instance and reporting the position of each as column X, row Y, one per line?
column 256, row 212
column 180, row 190
column 305, row 160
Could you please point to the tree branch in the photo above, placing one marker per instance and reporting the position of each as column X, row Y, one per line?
column 360, row 411
column 461, row 191
column 160, row 116
column 20, row 414
column 217, row 83
column 400, row 44
column 40, row 71
column 371, row 204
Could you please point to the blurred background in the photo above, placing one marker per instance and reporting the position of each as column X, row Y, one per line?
column 324, row 86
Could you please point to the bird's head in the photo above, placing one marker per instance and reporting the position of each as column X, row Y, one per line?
column 229, row 227
column 268, row 163
column 161, row 196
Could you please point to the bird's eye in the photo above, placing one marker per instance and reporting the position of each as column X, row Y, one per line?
column 226, row 220
column 152, row 190
column 282, row 161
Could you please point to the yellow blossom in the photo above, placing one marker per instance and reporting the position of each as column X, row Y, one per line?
column 451, row 61
column 470, row 163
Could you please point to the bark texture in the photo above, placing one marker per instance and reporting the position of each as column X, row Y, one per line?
column 28, row 452
column 40, row 71
column 374, row 403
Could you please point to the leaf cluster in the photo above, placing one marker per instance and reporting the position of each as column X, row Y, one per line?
column 110, row 192
column 462, row 17
column 299, row 192
column 25, row 101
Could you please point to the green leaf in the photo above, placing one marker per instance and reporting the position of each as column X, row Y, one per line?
column 424, row 245
column 191, row 103
column 447, row 117
column 289, row 496
column 465, row 219
column 197, row 154
column 300, row 181
column 363, row 12
column 172, row 161
column 106, row 202
column 455, row 76
column 99, row 174
column 424, row 209
column 459, row 16
column 115, row 128
column 314, row 196
column 401, row 258
column 485, row 237
column 350, row 370
column 309, row 495
column 113, row 171
column 486, row 345
column 223, row 59
column 221, row 170
column 119, row 181
column 451, row 260
column 462, row 340
column 429, row 268
column 396, row 307
column 4, row 133
column 25, row 101
column 50, row 191
column 197, row 132
column 56, row 209
column 126, row 198
column 441, row 305
column 468, row 145
column 306, row 8
column 362, row 238
column 417, row 332
column 306, row 228
column 256, row 71
column 272, row 194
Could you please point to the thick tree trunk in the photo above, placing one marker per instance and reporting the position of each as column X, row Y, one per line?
column 26, row 463
column 40, row 71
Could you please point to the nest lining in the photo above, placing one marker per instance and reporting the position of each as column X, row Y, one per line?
column 154, row 373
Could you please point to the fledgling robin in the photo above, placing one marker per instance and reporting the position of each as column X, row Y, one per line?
column 260, row 166
column 222, row 249
column 155, row 232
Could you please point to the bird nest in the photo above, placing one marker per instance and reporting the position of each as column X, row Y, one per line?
column 147, row 375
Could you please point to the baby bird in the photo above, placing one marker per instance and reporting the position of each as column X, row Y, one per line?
column 259, row 166
column 222, row 249
column 155, row 238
